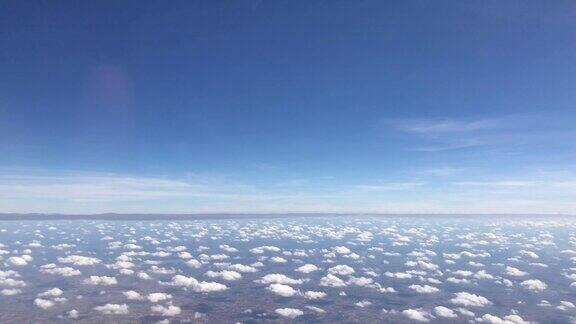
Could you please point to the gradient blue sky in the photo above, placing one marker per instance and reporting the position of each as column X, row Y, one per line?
column 275, row 106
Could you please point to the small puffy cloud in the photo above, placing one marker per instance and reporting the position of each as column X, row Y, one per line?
column 73, row 314
column 534, row 285
column 398, row 275
column 169, row 310
column 242, row 268
column 132, row 295
column 514, row 272
column 228, row 248
column 207, row 287
column 193, row 263
column 417, row 315
column 425, row 289
column 332, row 281
column 17, row 261
column 564, row 305
column 79, row 260
column 342, row 250
column 510, row 319
column 63, row 271
column 314, row 294
column 363, row 303
column 342, row 270
column 190, row 282
column 529, row 254
column 262, row 249
column 442, row 311
column 54, row 292
column 468, row 299
column 282, row 290
column 280, row 278
column 10, row 292
column 156, row 297
column 228, row 275
column 101, row 280
column 43, row 303
column 289, row 312
column 113, row 309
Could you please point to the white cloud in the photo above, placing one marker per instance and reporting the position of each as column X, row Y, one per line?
column 242, row 268
column 425, row 289
column 510, row 319
column 156, row 297
column 418, row 315
column 314, row 294
column 64, row 271
column 468, row 299
column 515, row 272
column 331, row 280
column 101, row 280
column 132, row 295
column 54, row 292
column 282, row 290
column 280, row 278
column 80, row 260
column 342, row 270
column 289, row 312
column 169, row 310
column 342, row 250
column 43, row 303
column 228, row 275
column 278, row 259
column 10, row 292
column 17, row 261
column 204, row 287
column 113, row 309
column 442, row 311
column 534, row 285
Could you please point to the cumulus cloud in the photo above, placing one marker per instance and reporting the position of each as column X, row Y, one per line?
column 282, row 290
column 43, row 303
column 342, row 270
column 112, row 309
column 509, row 319
column 228, row 275
column 468, row 299
column 417, row 315
column 425, row 289
column 342, row 250
column 534, row 285
column 156, row 297
column 63, row 271
column 10, row 292
column 242, row 268
column 17, row 261
column 79, row 260
column 204, row 287
column 307, row 268
column 442, row 311
column 289, row 312
column 132, row 295
column 280, row 278
column 331, row 280
column 54, row 292
column 101, row 280
column 515, row 272
column 169, row 310
column 314, row 294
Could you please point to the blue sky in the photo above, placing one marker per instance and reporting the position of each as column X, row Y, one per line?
column 250, row 106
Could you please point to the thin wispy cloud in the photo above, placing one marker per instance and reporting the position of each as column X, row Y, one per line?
column 444, row 126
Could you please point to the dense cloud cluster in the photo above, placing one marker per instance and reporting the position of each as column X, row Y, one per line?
column 361, row 269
